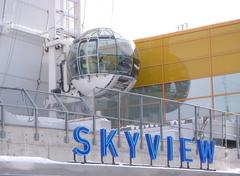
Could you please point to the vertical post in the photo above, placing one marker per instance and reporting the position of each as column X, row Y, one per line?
column 222, row 128
column 66, row 138
column 225, row 133
column 35, row 114
column 74, row 157
column 36, row 135
column 3, row 134
column 179, row 131
column 113, row 160
column 141, row 122
column 210, row 130
column 94, row 118
column 196, row 126
column 94, row 130
column 119, row 119
column 161, row 122
column 237, row 134
column 210, row 124
column 126, row 107
column 84, row 159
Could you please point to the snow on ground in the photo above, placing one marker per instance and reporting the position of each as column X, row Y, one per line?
column 26, row 159
column 56, row 123
column 41, row 166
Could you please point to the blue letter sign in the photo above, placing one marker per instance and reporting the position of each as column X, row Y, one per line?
column 79, row 139
column 184, row 150
column 170, row 148
column 206, row 150
column 132, row 142
column 153, row 147
column 107, row 142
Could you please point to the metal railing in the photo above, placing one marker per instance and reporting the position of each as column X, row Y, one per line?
column 137, row 112
column 124, row 111
column 39, row 107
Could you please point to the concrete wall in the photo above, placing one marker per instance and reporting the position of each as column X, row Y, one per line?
column 19, row 141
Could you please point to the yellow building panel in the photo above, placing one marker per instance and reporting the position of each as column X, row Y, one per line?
column 187, row 70
column 228, row 28
column 156, row 75
column 186, row 37
column 149, row 44
column 185, row 55
column 156, row 43
column 150, row 57
column 149, row 76
column 143, row 45
column 225, row 43
column 226, row 64
column 186, row 51
column 144, row 77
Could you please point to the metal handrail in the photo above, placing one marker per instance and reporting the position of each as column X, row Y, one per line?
column 210, row 114
column 198, row 131
column 167, row 100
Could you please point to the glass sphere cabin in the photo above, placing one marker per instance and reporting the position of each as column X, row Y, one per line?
column 102, row 58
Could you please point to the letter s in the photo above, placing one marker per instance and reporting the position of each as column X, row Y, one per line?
column 87, row 146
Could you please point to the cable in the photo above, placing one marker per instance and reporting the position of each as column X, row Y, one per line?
column 41, row 64
column 10, row 54
column 3, row 11
column 113, row 2
column 84, row 15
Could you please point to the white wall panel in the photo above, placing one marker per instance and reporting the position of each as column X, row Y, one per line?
column 21, row 53
column 30, row 13
column 26, row 60
column 19, row 83
column 5, row 43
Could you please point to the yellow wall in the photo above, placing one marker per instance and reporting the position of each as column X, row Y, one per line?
column 190, row 54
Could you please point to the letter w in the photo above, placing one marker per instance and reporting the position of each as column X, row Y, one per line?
column 206, row 150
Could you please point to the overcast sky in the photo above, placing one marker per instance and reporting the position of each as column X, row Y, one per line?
column 142, row 18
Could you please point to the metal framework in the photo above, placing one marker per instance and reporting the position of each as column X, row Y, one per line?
column 206, row 123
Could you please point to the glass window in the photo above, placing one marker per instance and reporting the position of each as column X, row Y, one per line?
column 188, row 89
column 204, row 102
column 92, row 47
column 105, row 32
column 107, row 46
column 73, row 66
column 229, row 103
column 82, row 61
column 107, row 63
column 92, row 64
column 104, row 53
column 124, row 47
column 199, row 87
column 124, row 65
column 226, row 83
column 73, row 51
column 83, row 64
column 83, row 49
column 177, row 90
column 155, row 90
column 72, row 63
